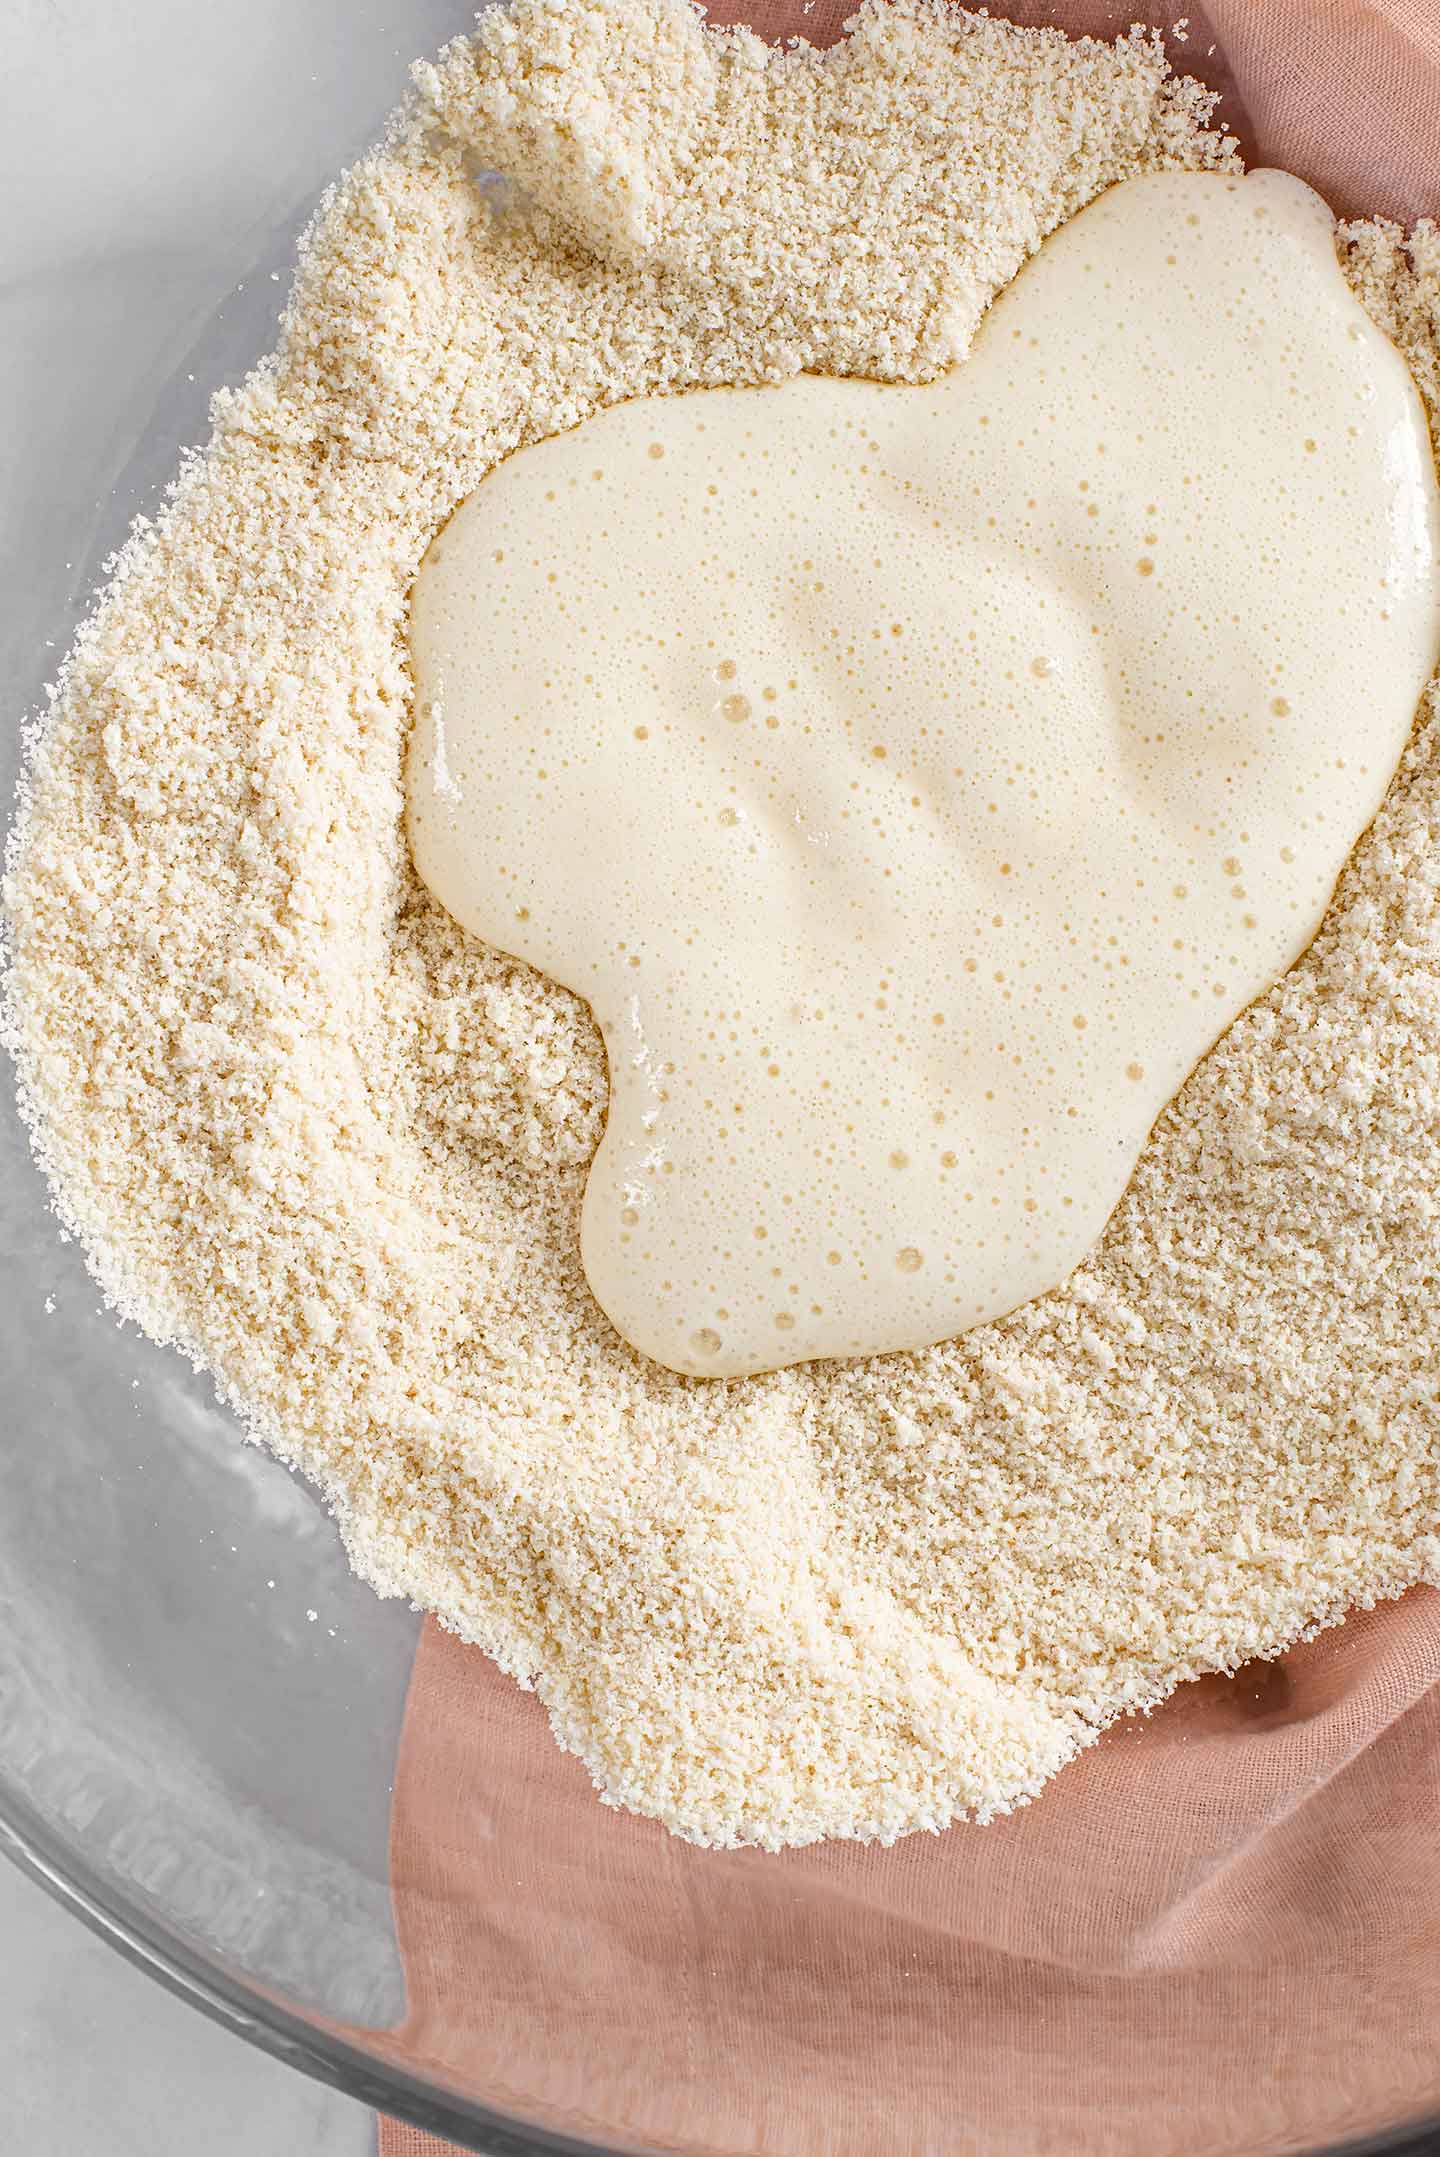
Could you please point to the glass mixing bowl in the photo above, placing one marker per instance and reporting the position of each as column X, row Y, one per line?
column 199, row 1707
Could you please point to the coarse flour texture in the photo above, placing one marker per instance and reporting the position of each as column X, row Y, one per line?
column 310, row 1130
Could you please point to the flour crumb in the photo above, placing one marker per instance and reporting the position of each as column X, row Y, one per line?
column 306, row 1128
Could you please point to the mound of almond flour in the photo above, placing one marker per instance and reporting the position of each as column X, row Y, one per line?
column 336, row 1149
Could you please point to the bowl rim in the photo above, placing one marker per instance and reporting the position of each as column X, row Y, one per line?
column 121, row 1919
column 147, row 1944
column 236, row 2004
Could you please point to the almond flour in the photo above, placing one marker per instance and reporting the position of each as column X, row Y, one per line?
column 335, row 1149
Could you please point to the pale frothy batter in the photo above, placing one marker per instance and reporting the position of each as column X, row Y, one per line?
column 917, row 781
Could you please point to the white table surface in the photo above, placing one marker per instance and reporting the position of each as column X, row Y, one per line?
column 96, row 2060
